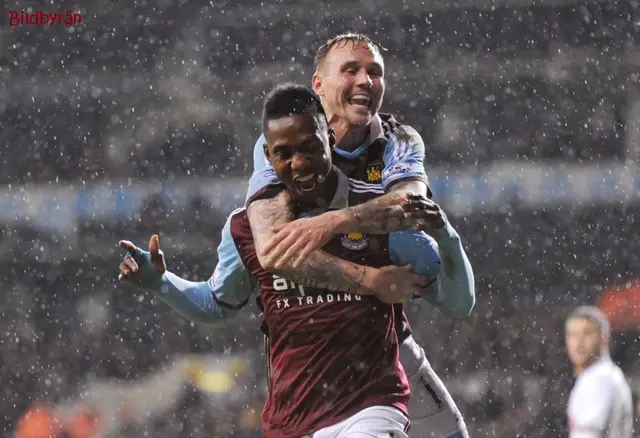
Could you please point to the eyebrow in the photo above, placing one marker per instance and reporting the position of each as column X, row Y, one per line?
column 354, row 63
column 281, row 147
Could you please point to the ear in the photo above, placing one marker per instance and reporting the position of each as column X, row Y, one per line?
column 332, row 138
column 265, row 148
column 316, row 84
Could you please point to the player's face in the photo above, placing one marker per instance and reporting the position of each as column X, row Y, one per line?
column 298, row 148
column 583, row 341
column 350, row 82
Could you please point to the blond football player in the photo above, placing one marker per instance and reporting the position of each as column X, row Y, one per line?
column 600, row 404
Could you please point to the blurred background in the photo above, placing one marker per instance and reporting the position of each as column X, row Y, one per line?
column 142, row 120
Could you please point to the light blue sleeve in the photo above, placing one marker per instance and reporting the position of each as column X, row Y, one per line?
column 232, row 284
column 218, row 300
column 263, row 173
column 442, row 258
column 403, row 156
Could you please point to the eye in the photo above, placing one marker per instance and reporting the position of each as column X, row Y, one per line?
column 375, row 72
column 282, row 155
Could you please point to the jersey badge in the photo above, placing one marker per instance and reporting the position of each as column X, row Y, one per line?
column 374, row 173
column 355, row 241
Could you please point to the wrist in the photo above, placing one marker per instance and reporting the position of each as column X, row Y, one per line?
column 370, row 280
column 343, row 221
column 445, row 233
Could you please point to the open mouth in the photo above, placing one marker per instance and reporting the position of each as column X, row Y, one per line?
column 361, row 101
column 307, row 183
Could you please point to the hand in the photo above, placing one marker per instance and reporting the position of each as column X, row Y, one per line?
column 394, row 284
column 426, row 212
column 297, row 239
column 136, row 258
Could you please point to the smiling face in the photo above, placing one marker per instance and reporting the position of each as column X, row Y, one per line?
column 350, row 82
column 299, row 149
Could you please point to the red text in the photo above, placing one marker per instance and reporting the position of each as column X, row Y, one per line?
column 21, row 18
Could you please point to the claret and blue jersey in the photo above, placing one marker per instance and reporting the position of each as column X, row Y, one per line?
column 390, row 155
column 331, row 353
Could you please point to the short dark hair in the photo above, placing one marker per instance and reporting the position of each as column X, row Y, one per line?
column 289, row 99
column 343, row 38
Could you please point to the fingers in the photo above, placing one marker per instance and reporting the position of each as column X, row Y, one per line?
column 415, row 201
column 287, row 250
column 289, row 253
column 157, row 256
column 129, row 246
column 125, row 272
column 273, row 252
column 154, row 245
column 277, row 228
column 420, row 280
column 127, row 268
column 410, row 207
column 427, row 218
column 275, row 241
column 420, row 203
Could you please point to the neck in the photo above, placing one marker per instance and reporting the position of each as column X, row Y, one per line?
column 348, row 137
column 579, row 369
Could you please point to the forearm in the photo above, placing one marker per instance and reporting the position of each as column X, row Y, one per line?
column 381, row 215
column 456, row 291
column 326, row 271
column 319, row 269
column 193, row 300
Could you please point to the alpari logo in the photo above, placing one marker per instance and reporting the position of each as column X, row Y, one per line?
column 355, row 241
column 40, row 18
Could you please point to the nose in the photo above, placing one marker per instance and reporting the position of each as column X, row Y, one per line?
column 364, row 79
column 300, row 163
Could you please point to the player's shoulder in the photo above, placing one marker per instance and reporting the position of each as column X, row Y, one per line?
column 360, row 191
column 598, row 379
column 238, row 213
column 392, row 129
column 613, row 375
column 605, row 369
column 238, row 223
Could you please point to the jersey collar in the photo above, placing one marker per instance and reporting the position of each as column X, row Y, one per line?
column 375, row 132
column 341, row 197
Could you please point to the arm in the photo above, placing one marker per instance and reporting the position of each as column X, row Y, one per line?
column 319, row 269
column 443, row 256
column 381, row 215
column 457, row 290
column 403, row 173
column 193, row 300
column 212, row 302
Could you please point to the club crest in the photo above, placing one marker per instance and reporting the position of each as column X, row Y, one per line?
column 355, row 241
column 374, row 174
